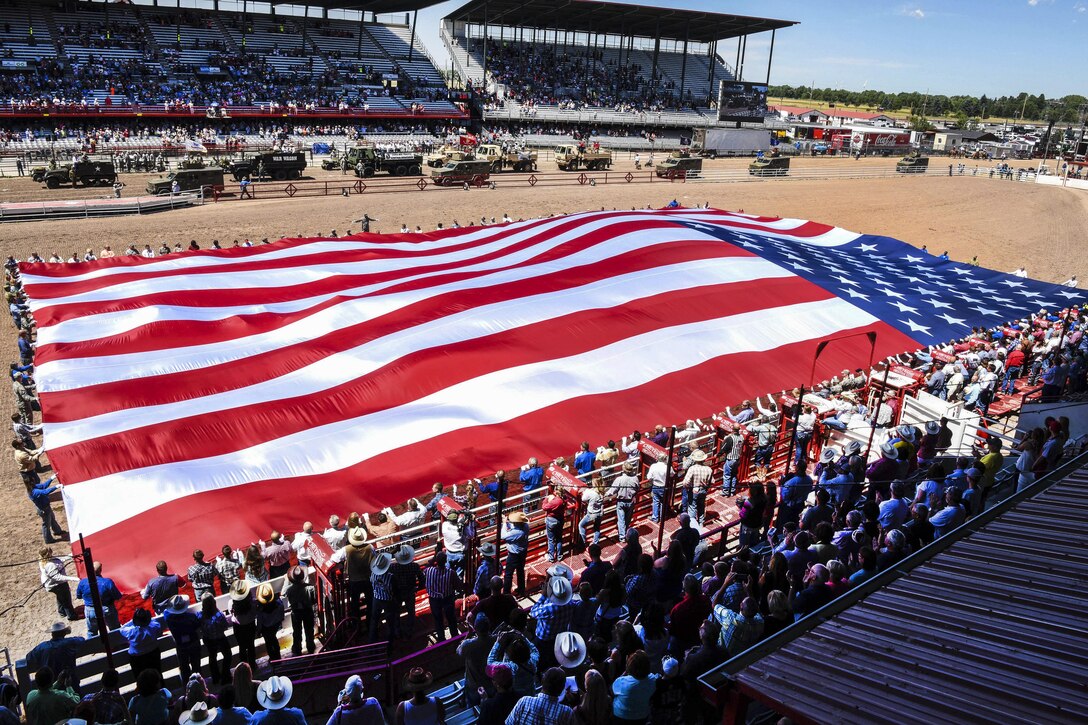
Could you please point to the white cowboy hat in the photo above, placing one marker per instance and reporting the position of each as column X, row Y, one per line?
column 561, row 570
column 889, row 451
column 933, row 427
column 179, row 603
column 559, row 590
column 275, row 692
column 405, row 554
column 570, row 649
column 381, row 563
column 239, row 590
column 906, row 432
column 698, row 456
column 198, row 713
column 852, row 448
column 357, row 536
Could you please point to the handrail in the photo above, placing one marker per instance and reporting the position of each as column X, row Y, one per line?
column 721, row 676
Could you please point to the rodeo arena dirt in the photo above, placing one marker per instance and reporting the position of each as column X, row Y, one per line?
column 634, row 442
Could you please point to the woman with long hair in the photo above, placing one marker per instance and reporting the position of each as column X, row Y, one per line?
column 254, row 569
column 625, row 642
column 669, row 571
column 245, row 691
column 651, row 629
column 596, row 705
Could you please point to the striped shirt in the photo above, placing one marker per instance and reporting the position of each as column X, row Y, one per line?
column 441, row 582
column 383, row 586
column 731, row 446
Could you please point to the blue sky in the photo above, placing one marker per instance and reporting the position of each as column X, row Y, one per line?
column 996, row 47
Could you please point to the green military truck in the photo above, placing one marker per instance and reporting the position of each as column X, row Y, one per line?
column 770, row 166
column 368, row 161
column 475, row 171
column 80, row 173
column 679, row 166
column 913, row 163
column 571, row 157
column 276, row 165
column 188, row 180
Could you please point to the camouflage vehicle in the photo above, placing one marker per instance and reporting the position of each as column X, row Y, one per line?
column 502, row 159
column 770, row 166
column 569, row 157
column 912, row 163
column 367, row 161
column 192, row 161
column 459, row 172
column 188, row 180
column 277, row 165
column 681, row 164
column 85, row 173
column 448, row 153
column 38, row 172
column 333, row 162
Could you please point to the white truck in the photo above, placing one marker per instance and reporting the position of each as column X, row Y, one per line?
column 714, row 142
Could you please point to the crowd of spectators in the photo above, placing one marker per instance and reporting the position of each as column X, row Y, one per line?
column 626, row 639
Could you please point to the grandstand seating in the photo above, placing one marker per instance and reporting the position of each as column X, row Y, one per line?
column 16, row 38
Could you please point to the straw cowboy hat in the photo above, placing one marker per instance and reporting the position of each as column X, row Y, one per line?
column 357, row 536
column 416, row 679
column 405, row 554
column 560, row 590
column 198, row 713
column 517, row 517
column 628, row 466
column 853, row 448
column 889, row 451
column 265, row 593
column 239, row 590
column 179, row 603
column 698, row 456
column 933, row 427
column 570, row 649
column 381, row 563
column 275, row 692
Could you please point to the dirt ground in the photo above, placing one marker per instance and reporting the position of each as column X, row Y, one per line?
column 1006, row 224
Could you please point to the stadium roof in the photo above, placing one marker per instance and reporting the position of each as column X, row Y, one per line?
column 989, row 629
column 593, row 16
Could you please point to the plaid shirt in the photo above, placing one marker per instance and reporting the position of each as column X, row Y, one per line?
column 407, row 579
column 441, row 582
column 109, row 706
column 551, row 618
column 227, row 569
column 698, row 477
column 540, row 710
column 738, row 632
column 202, row 577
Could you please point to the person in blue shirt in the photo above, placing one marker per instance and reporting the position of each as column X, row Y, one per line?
column 109, row 596
column 432, row 505
column 488, row 568
column 495, row 492
column 58, row 653
column 793, row 492
column 39, row 496
column 26, row 348
column 515, row 532
column 585, row 461
column 142, row 634
column 184, row 625
column 532, row 477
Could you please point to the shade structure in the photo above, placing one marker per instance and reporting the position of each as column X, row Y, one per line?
column 204, row 398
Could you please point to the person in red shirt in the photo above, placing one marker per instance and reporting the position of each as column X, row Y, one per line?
column 555, row 509
column 686, row 616
column 1013, row 364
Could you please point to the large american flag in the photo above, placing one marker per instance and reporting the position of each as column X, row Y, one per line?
column 206, row 398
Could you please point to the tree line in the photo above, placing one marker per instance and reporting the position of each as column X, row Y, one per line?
column 1068, row 109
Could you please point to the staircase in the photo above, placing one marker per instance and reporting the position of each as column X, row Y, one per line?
column 228, row 39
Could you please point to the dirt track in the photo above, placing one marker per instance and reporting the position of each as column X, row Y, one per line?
column 1006, row 224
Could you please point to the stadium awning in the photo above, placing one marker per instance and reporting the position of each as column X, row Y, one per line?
column 220, row 394
column 593, row 16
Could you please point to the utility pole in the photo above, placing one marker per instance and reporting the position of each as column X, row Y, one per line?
column 96, row 600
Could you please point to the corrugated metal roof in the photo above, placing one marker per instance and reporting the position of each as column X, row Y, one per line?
column 994, row 629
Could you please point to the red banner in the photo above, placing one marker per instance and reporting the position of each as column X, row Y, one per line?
column 650, row 448
column 942, row 356
column 562, row 477
column 320, row 553
column 908, row 372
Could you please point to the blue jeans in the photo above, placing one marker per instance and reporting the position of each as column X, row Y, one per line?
column 697, row 508
column 383, row 611
column 685, row 498
column 658, row 501
column 1008, row 387
column 456, row 561
column 445, row 616
column 802, row 446
column 553, row 527
column 729, row 476
column 624, row 516
column 763, row 455
column 515, row 563
column 584, row 523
